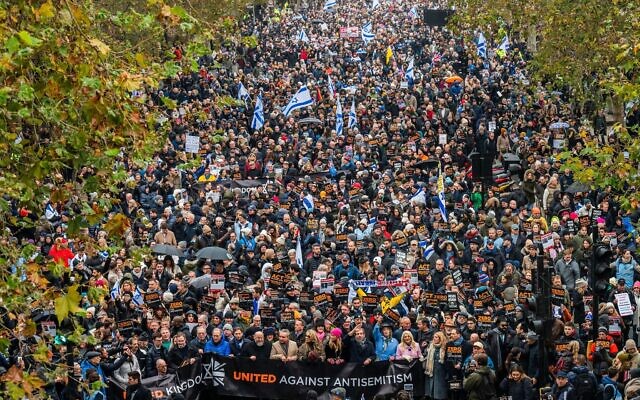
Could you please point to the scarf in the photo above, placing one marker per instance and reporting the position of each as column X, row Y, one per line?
column 431, row 358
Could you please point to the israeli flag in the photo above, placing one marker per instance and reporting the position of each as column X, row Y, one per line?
column 353, row 119
column 307, row 202
column 409, row 73
column 332, row 89
column 243, row 93
column 504, row 45
column 428, row 252
column 258, row 114
column 137, row 298
column 375, row 4
column 482, row 46
column 299, row 259
column 301, row 99
column 339, row 118
column 302, row 36
column 442, row 205
column 413, row 13
column 115, row 291
column 329, row 4
column 367, row 33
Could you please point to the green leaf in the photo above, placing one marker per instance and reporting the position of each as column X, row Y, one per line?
column 26, row 93
column 26, row 38
column 13, row 44
column 68, row 304
column 112, row 152
column 4, row 95
column 24, row 112
column 169, row 103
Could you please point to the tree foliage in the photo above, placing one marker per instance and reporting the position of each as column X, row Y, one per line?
column 73, row 75
column 591, row 50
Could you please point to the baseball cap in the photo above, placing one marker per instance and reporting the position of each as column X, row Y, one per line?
column 479, row 345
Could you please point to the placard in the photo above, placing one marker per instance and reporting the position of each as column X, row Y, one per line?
column 192, row 144
column 326, row 285
column 277, row 280
column 485, row 322
column 558, row 296
column 152, row 299
column 453, row 354
column 349, row 32
column 49, row 328
column 267, row 317
column 412, row 276
column 208, row 303
column 217, row 283
column 369, row 301
column 624, row 304
column 321, row 299
column 341, row 238
column 125, row 325
column 176, row 308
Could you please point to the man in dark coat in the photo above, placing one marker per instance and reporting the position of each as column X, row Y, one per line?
column 135, row 391
column 361, row 349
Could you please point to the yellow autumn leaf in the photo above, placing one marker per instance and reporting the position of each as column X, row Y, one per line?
column 100, row 46
column 130, row 82
column 46, row 10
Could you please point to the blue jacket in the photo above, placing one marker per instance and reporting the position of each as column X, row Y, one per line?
column 385, row 348
column 221, row 348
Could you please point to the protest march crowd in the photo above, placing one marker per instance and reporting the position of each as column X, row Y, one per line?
column 356, row 236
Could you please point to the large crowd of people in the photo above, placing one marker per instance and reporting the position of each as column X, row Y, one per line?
column 303, row 209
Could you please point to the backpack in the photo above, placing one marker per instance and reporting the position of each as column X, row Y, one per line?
column 585, row 386
column 488, row 390
column 611, row 392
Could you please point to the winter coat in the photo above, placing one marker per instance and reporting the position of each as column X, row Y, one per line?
column 479, row 383
column 521, row 389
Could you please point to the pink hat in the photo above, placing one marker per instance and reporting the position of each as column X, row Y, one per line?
column 636, row 284
column 337, row 332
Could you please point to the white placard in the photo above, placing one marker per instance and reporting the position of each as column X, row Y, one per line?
column 624, row 304
column 492, row 126
column 442, row 138
column 193, row 144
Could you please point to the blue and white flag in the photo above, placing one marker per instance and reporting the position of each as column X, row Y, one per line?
column 136, row 298
column 504, row 45
column 375, row 4
column 353, row 118
column 442, row 205
column 428, row 252
column 482, row 46
column 413, row 13
column 409, row 73
column 307, row 202
column 367, row 33
column 258, row 114
column 302, row 36
column 301, row 99
column 329, row 4
column 115, row 291
column 339, row 118
column 332, row 89
column 243, row 93
column 299, row 259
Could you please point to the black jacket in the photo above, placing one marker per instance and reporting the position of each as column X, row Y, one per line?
column 138, row 392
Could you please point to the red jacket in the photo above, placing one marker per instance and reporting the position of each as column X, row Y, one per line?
column 61, row 254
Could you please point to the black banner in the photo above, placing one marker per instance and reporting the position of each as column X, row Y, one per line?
column 277, row 380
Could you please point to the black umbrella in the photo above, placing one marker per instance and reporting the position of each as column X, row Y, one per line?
column 167, row 250
column 213, row 253
column 577, row 187
column 427, row 164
